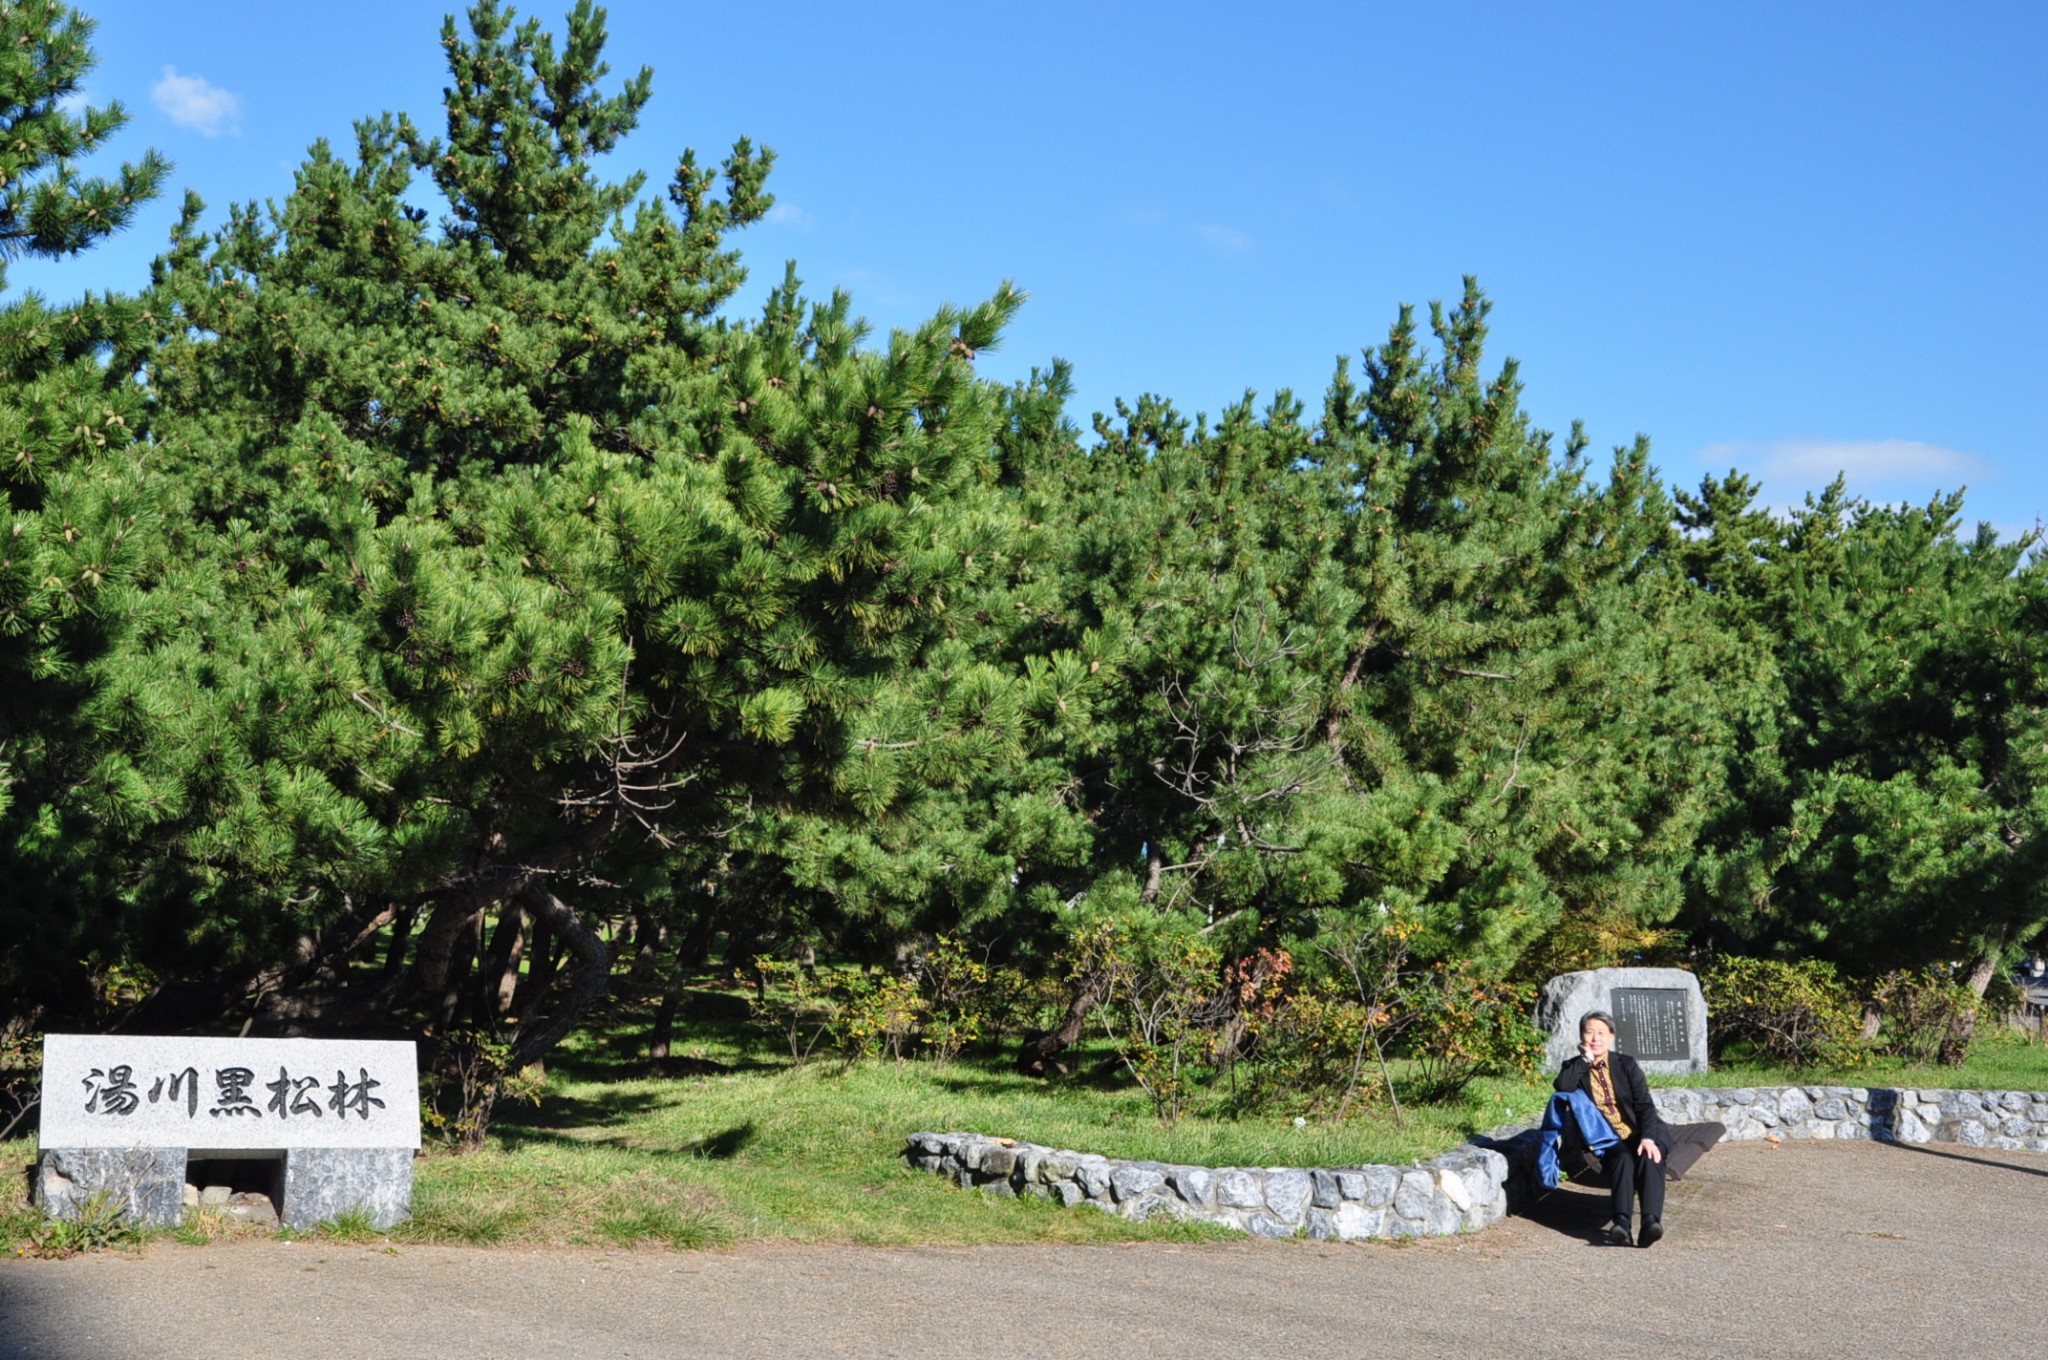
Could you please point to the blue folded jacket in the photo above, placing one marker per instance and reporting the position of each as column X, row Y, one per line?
column 1592, row 1125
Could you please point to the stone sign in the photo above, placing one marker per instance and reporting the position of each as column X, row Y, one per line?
column 1649, row 1023
column 1660, row 1016
column 126, row 1114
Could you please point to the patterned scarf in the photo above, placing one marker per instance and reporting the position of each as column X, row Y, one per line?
column 1603, row 1096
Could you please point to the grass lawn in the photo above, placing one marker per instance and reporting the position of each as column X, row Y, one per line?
column 745, row 1148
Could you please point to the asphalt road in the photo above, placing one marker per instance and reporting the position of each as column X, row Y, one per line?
column 1796, row 1249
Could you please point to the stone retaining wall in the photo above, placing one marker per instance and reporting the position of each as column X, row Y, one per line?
column 1469, row 1187
column 2014, row 1121
column 1462, row 1190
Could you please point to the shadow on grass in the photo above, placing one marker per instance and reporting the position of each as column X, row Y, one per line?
column 723, row 1147
column 559, row 1113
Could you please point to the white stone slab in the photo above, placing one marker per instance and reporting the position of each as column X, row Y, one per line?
column 138, row 1091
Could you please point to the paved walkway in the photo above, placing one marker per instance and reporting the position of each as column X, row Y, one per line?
column 1798, row 1249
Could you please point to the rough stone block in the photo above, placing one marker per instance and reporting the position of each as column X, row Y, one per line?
column 1156, row 1207
column 1239, row 1190
column 324, row 1183
column 1265, row 1225
column 1326, row 1194
column 147, row 1184
column 1131, row 1182
column 1093, row 1176
column 1192, row 1183
column 1416, row 1193
column 993, row 1159
column 1452, row 1187
column 1322, row 1225
column 1354, row 1221
column 1287, row 1194
column 1351, row 1184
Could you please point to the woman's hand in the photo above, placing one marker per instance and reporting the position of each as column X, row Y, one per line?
column 1651, row 1151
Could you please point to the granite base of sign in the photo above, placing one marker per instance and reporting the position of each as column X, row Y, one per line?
column 1660, row 1016
column 325, row 1183
column 147, row 1185
column 128, row 1116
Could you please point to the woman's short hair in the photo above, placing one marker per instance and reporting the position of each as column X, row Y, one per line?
column 1590, row 1016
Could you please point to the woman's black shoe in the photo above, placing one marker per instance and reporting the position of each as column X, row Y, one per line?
column 1617, row 1236
column 1653, row 1231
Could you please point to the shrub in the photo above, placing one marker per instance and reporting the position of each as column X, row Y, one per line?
column 878, row 1015
column 21, row 1079
column 1160, row 1006
column 789, row 1001
column 1927, row 1017
column 1310, row 1052
column 461, row 1087
column 1795, row 1013
column 1457, row 1026
column 958, row 993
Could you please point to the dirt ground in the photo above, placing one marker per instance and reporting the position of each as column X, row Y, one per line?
column 1793, row 1249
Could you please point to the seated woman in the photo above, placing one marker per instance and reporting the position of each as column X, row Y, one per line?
column 1646, row 1146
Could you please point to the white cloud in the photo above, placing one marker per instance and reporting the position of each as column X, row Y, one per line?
column 1868, row 464
column 75, row 103
column 1229, row 240
column 192, row 102
column 786, row 214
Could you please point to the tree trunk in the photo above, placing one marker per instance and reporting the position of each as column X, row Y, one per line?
column 648, row 942
column 691, row 956
column 543, row 958
column 438, row 946
column 1041, row 1049
column 586, row 983
column 500, row 979
column 462, row 960
column 401, row 936
column 1985, row 969
column 1955, row 1045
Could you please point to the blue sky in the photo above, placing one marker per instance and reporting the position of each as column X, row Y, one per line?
column 1792, row 238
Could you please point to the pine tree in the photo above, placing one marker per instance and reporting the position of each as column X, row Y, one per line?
column 508, row 577
column 79, row 508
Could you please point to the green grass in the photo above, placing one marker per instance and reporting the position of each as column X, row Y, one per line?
column 741, row 1147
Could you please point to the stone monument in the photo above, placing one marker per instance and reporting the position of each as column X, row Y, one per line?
column 1660, row 1016
column 127, row 1115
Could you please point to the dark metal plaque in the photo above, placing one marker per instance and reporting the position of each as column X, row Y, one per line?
column 1649, row 1023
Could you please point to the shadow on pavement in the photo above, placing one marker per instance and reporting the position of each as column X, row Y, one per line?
column 1927, row 1151
column 1573, row 1211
